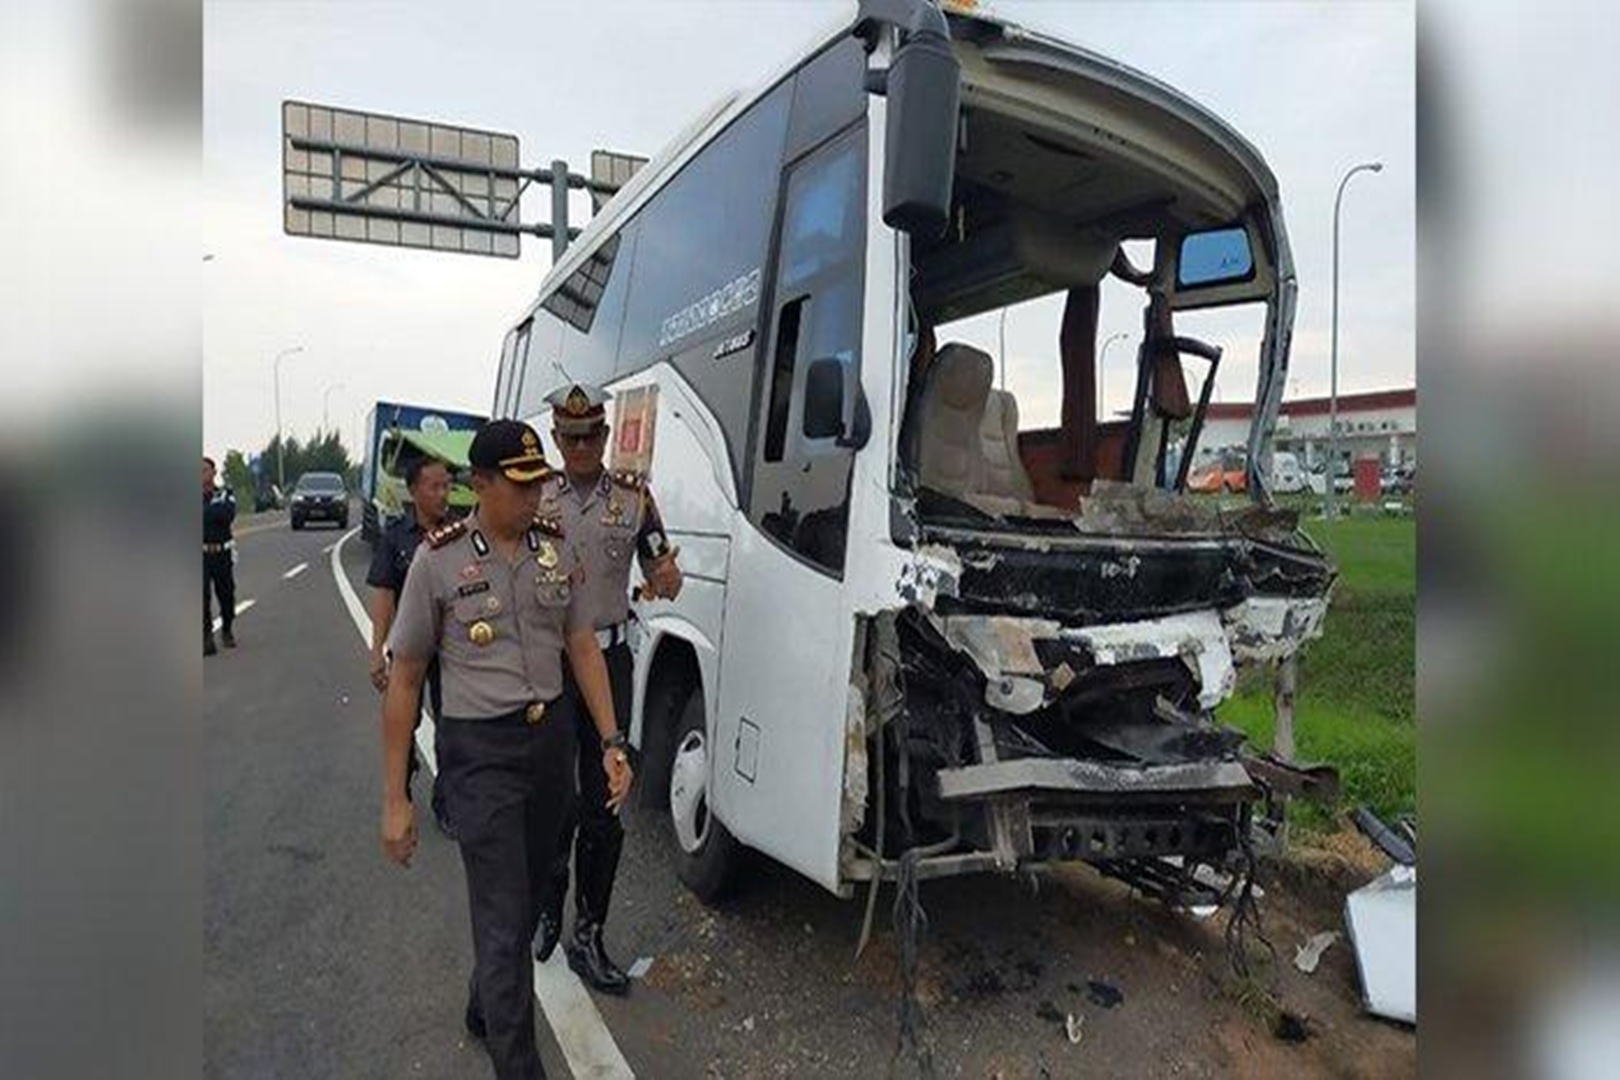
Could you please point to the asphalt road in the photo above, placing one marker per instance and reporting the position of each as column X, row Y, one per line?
column 325, row 960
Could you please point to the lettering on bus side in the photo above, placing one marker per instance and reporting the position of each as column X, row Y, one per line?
column 734, row 296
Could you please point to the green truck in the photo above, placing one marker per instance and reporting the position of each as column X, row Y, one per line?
column 397, row 433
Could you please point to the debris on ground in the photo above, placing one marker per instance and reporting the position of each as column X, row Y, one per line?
column 1104, row 994
column 640, row 967
column 1292, row 1027
column 1398, row 845
column 1382, row 917
column 1309, row 955
column 1072, row 1026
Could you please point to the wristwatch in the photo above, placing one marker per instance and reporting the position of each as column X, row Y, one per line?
column 615, row 741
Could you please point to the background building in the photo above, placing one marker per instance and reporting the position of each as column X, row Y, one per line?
column 1377, row 423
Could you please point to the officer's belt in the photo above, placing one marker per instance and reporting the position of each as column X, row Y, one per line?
column 609, row 636
column 218, row 549
column 529, row 715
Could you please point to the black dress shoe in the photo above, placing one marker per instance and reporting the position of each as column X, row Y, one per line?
column 590, row 961
column 208, row 646
column 545, row 938
column 229, row 639
column 474, row 1021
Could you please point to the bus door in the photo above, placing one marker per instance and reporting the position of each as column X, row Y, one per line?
column 778, row 754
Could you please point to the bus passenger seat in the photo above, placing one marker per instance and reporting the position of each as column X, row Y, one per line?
column 1004, row 466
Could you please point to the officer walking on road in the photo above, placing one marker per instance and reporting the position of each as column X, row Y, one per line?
column 219, row 557
column 493, row 597
column 428, row 482
column 609, row 517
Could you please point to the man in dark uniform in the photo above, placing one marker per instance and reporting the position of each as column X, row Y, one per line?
column 428, row 482
column 492, row 596
column 219, row 557
column 609, row 518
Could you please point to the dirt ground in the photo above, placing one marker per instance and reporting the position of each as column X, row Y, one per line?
column 768, row 984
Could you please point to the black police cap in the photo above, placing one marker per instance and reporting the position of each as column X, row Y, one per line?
column 510, row 446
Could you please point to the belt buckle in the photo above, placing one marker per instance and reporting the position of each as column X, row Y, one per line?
column 535, row 713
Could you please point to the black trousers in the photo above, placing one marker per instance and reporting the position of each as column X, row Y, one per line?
column 219, row 577
column 593, row 831
column 507, row 785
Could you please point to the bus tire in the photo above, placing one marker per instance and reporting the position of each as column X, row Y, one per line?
column 706, row 853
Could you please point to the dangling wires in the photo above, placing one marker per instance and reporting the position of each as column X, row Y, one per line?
column 1244, row 918
column 909, row 921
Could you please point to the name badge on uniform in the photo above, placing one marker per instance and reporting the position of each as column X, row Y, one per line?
column 472, row 588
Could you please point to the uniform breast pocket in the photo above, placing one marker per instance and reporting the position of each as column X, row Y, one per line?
column 618, row 542
column 552, row 592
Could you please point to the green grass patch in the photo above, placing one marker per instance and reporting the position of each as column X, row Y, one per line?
column 1357, row 684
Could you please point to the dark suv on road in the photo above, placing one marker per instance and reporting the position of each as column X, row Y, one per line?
column 320, row 496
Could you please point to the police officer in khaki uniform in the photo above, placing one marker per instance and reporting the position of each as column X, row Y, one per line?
column 493, row 597
column 609, row 518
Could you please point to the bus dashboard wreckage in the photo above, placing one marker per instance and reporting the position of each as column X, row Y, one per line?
column 912, row 633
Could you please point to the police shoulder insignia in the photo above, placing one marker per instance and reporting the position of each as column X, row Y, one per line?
column 446, row 533
column 547, row 525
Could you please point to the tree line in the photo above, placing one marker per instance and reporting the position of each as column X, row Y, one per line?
column 256, row 488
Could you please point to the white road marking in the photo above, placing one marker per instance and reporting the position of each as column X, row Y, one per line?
column 295, row 571
column 575, row 1022
column 241, row 606
column 327, row 550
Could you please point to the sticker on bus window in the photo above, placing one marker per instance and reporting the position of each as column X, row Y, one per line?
column 635, row 416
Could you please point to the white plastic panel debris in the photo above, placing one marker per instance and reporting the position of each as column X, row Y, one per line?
column 1268, row 628
column 1197, row 637
column 1382, row 917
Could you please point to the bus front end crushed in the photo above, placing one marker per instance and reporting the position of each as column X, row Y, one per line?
column 1049, row 697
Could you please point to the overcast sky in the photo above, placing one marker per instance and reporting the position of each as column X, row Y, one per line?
column 1315, row 88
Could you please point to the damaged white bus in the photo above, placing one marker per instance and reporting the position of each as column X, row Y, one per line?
column 911, row 631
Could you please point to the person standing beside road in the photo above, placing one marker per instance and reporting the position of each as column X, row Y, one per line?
column 493, row 598
column 428, row 482
column 219, row 558
column 609, row 518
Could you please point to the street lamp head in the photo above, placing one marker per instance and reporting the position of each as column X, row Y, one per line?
column 1376, row 166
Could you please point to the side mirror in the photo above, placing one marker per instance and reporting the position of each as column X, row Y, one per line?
column 824, row 406
column 923, row 87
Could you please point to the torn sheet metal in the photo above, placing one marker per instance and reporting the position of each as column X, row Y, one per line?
column 1091, row 777
column 1270, row 628
column 1382, row 918
column 1003, row 649
column 932, row 572
column 1197, row 638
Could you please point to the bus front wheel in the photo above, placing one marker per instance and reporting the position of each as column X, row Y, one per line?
column 706, row 854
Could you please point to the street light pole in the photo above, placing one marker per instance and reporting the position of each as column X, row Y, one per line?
column 1331, row 508
column 281, row 442
column 1103, row 405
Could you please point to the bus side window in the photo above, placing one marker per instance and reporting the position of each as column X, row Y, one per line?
column 800, row 492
